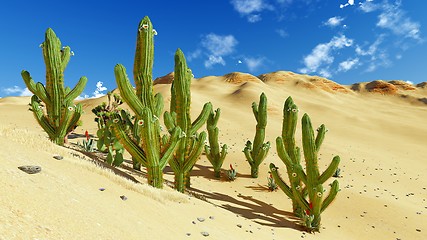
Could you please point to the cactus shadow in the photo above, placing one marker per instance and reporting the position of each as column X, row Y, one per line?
column 208, row 173
column 259, row 188
column 253, row 209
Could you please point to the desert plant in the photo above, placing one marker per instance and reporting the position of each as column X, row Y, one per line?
column 311, row 178
column 337, row 173
column 143, row 78
column 215, row 157
column 231, row 173
column 256, row 153
column 87, row 145
column 107, row 141
column 192, row 143
column 58, row 115
column 271, row 184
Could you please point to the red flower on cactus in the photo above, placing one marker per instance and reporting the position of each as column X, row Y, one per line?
column 231, row 167
column 87, row 135
column 311, row 208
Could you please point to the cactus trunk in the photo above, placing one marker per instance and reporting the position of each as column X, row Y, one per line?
column 155, row 176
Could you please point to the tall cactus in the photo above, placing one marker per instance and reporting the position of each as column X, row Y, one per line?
column 143, row 77
column 290, row 154
column 61, row 115
column 212, row 150
column 257, row 152
column 312, row 179
column 191, row 144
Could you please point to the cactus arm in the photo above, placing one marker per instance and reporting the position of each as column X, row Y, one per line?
column 329, row 172
column 282, row 184
column 281, row 152
column 320, row 136
column 75, row 118
column 195, row 152
column 332, row 194
column 158, row 104
column 41, row 119
column 173, row 144
column 36, row 88
column 65, row 57
column 201, row 119
column 170, row 120
column 126, row 89
column 132, row 147
column 247, row 150
column 77, row 90
column 310, row 151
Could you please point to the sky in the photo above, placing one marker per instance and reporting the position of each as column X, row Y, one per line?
column 347, row 41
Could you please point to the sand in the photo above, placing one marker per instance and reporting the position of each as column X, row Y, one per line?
column 380, row 137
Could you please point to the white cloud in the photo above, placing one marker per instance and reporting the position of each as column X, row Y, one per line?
column 368, row 6
column 282, row 33
column 212, row 60
column 253, row 63
column 251, row 8
column 349, row 3
column 409, row 82
column 321, row 56
column 194, row 55
column 348, row 64
column 217, row 47
column 333, row 21
column 99, row 89
column 372, row 49
column 394, row 19
column 17, row 91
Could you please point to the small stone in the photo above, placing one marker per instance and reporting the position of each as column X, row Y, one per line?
column 30, row 169
column 58, row 157
column 211, row 217
column 418, row 230
column 239, row 225
column 102, row 189
column 123, row 197
column 200, row 219
column 193, row 222
column 205, row 234
column 188, row 234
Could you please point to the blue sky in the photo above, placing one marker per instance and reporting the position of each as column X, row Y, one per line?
column 346, row 41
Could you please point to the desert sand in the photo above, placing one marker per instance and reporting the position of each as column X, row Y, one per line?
column 378, row 129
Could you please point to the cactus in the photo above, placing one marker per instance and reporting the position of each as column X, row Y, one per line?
column 257, row 152
column 271, row 183
column 153, row 154
column 191, row 145
column 290, row 154
column 143, row 77
column 231, row 173
column 215, row 157
column 61, row 115
column 312, row 207
column 87, row 145
column 107, row 142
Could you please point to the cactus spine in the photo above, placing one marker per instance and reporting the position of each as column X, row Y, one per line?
column 192, row 143
column 61, row 115
column 143, row 78
column 312, row 179
column 215, row 157
column 257, row 152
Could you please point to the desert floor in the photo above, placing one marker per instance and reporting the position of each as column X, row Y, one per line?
column 381, row 139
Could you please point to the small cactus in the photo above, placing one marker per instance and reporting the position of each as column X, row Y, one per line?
column 215, row 157
column 87, row 145
column 271, row 184
column 231, row 173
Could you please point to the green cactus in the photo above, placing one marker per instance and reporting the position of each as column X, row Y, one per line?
column 153, row 153
column 143, row 77
column 107, row 141
column 290, row 154
column 256, row 154
column 61, row 115
column 192, row 143
column 212, row 150
column 309, row 209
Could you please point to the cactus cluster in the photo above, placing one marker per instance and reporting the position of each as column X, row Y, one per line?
column 58, row 115
column 192, row 143
column 255, row 153
column 306, row 187
column 213, row 153
column 107, row 141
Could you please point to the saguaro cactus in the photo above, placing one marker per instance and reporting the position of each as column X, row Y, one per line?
column 212, row 150
column 312, row 179
column 61, row 115
column 290, row 154
column 143, row 77
column 257, row 152
column 191, row 144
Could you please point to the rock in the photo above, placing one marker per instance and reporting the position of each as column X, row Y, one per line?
column 200, row 219
column 30, row 169
column 205, row 234
column 382, row 87
column 123, row 197
column 102, row 189
column 58, row 157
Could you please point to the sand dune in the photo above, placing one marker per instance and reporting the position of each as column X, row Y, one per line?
column 381, row 139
